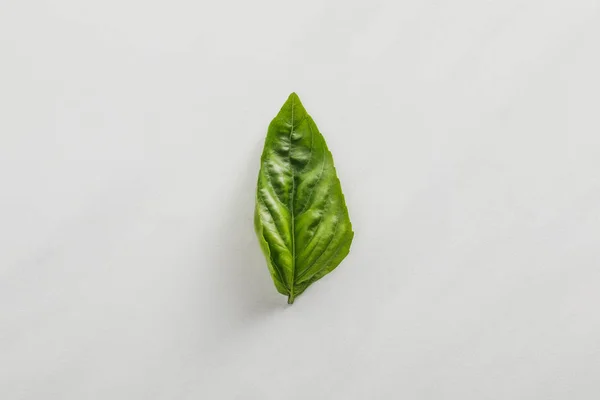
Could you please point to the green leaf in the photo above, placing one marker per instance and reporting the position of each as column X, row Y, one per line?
column 301, row 218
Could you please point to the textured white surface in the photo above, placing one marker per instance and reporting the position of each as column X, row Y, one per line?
column 467, row 138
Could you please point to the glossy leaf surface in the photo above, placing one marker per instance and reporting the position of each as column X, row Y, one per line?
column 301, row 218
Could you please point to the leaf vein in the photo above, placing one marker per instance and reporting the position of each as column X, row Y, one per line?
column 335, row 230
column 312, row 189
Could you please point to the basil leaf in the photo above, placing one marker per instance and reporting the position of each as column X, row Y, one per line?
column 301, row 218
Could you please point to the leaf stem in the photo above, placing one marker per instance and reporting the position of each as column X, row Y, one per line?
column 291, row 299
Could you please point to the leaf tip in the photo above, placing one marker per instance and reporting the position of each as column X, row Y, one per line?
column 293, row 98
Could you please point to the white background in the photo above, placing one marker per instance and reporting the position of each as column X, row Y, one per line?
column 466, row 135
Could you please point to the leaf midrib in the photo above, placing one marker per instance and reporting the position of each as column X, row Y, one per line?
column 293, row 229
